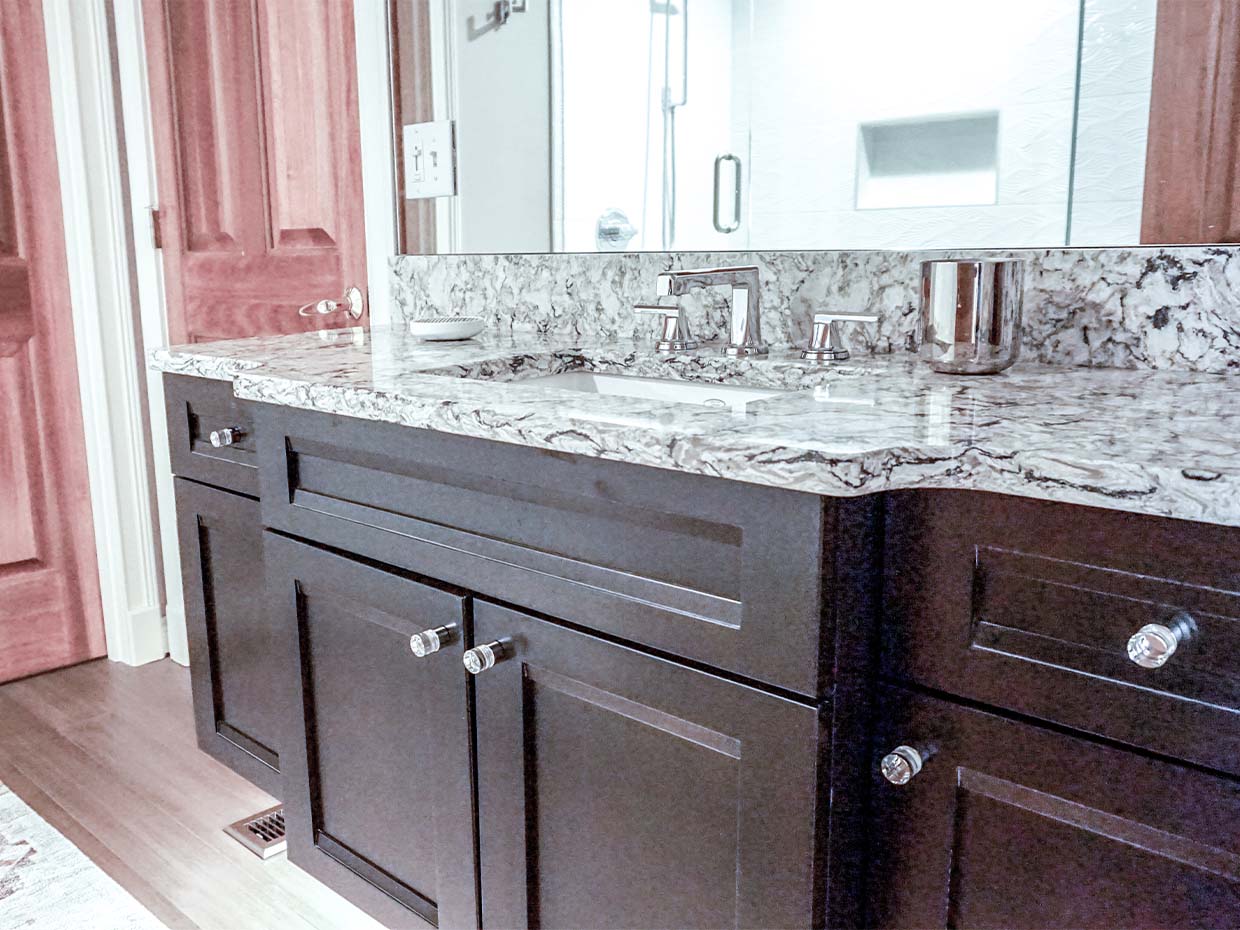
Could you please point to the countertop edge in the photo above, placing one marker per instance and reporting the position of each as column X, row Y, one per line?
column 1143, row 489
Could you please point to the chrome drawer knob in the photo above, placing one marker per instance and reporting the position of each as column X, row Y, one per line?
column 429, row 642
column 900, row 765
column 481, row 658
column 1152, row 645
column 225, row 437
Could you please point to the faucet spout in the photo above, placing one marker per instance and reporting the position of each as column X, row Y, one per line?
column 745, row 329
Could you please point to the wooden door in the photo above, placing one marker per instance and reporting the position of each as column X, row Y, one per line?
column 254, row 105
column 1010, row 825
column 238, row 655
column 1192, row 162
column 616, row 789
column 377, row 763
column 50, row 613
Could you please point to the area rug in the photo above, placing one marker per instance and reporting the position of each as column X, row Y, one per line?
column 47, row 883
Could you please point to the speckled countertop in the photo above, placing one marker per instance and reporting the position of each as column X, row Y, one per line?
column 1156, row 442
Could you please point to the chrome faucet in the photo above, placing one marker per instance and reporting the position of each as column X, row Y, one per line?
column 745, row 331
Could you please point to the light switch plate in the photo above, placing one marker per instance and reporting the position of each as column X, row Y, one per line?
column 430, row 159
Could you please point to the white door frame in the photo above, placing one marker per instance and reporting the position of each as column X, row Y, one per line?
column 377, row 128
column 109, row 187
column 109, row 364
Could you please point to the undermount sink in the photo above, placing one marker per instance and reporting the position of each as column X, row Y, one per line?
column 722, row 396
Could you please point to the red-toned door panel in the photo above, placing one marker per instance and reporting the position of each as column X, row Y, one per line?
column 50, row 613
column 254, row 104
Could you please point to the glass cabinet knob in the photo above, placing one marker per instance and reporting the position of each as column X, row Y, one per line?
column 900, row 765
column 1152, row 645
column 225, row 437
column 1155, row 643
column 481, row 658
column 430, row 641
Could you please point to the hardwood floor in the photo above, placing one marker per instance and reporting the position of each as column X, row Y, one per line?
column 106, row 754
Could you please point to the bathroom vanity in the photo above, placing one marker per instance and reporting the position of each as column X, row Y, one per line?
column 884, row 649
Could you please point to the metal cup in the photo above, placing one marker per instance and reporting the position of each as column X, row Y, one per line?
column 970, row 315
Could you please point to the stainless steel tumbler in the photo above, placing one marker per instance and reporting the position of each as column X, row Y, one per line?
column 970, row 315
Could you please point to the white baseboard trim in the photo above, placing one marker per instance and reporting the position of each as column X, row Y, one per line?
column 144, row 639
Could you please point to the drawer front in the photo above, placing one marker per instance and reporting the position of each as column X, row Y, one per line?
column 377, row 766
column 723, row 573
column 1032, row 606
column 1011, row 825
column 196, row 407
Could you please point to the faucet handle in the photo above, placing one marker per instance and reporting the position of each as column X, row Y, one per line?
column 674, row 335
column 826, row 343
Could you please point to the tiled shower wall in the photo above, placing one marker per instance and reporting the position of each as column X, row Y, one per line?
column 1152, row 307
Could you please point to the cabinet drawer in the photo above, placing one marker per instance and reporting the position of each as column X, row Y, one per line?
column 377, row 767
column 1010, row 825
column 1032, row 606
column 196, row 407
column 238, row 668
column 727, row 574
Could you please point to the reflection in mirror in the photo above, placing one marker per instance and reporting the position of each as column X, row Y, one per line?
column 713, row 125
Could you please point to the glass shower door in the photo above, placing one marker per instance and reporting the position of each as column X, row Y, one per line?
column 653, row 106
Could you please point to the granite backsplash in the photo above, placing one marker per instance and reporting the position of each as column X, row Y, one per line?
column 1156, row 307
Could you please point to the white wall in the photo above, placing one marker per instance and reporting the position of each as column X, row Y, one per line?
column 1117, row 66
column 889, row 60
column 503, row 119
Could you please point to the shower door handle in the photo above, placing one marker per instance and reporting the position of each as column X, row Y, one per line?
column 736, row 194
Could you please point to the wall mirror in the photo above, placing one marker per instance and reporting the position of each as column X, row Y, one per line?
column 584, row 125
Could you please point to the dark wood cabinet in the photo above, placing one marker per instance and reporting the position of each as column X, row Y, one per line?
column 1031, row 606
column 681, row 728
column 237, row 658
column 198, row 407
column 621, row 790
column 1012, row 825
column 719, row 572
column 378, row 770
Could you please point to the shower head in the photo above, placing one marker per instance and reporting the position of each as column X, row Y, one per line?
column 663, row 9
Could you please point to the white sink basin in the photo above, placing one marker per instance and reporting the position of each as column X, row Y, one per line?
column 722, row 396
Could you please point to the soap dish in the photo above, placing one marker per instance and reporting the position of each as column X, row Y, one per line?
column 446, row 328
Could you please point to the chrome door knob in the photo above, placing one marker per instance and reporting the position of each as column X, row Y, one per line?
column 481, row 658
column 353, row 304
column 429, row 642
column 225, row 437
column 900, row 765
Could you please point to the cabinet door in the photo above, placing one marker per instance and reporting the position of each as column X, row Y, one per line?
column 1010, row 825
column 616, row 789
column 236, row 656
column 377, row 765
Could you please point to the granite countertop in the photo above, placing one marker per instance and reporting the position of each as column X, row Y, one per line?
column 1157, row 442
